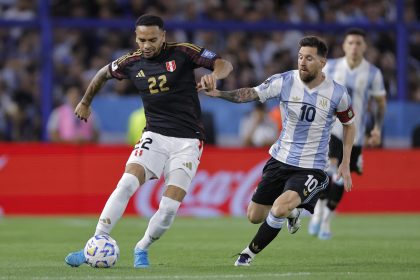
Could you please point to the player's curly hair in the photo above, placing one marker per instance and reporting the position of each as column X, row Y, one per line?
column 149, row 20
column 315, row 42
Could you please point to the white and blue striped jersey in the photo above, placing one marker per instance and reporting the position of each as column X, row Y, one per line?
column 308, row 117
column 361, row 82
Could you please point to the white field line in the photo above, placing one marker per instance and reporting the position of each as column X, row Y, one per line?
column 159, row 277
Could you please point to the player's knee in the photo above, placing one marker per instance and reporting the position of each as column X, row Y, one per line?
column 332, row 204
column 256, row 214
column 280, row 210
column 168, row 208
column 128, row 184
column 255, row 219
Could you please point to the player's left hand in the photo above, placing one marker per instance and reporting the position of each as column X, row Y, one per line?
column 344, row 172
column 374, row 139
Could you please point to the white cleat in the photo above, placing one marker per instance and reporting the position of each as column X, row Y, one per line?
column 243, row 260
column 293, row 224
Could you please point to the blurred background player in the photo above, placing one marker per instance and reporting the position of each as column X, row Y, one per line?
column 363, row 81
column 63, row 127
column 294, row 175
column 258, row 129
column 136, row 125
column 172, row 142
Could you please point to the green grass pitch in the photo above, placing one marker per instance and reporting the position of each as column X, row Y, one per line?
column 363, row 247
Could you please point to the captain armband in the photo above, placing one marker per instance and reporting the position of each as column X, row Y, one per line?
column 346, row 116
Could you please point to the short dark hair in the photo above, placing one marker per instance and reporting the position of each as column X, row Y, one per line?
column 149, row 20
column 315, row 42
column 355, row 31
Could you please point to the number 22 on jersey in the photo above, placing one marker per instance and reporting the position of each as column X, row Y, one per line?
column 157, row 85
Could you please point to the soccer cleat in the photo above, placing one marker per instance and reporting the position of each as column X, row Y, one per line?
column 314, row 227
column 75, row 259
column 141, row 259
column 293, row 224
column 243, row 260
column 324, row 235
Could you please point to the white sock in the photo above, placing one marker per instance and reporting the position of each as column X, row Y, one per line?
column 116, row 204
column 274, row 222
column 160, row 222
column 320, row 206
column 326, row 220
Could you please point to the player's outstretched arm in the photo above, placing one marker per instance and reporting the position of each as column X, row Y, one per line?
column 237, row 95
column 83, row 110
column 374, row 138
column 349, row 132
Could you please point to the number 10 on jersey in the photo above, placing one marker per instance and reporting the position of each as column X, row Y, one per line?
column 307, row 113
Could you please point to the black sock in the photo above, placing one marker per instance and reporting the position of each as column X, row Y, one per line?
column 334, row 196
column 264, row 236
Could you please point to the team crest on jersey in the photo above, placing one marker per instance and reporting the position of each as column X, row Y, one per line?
column 171, row 66
column 323, row 102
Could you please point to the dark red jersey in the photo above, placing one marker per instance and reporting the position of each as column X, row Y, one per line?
column 167, row 86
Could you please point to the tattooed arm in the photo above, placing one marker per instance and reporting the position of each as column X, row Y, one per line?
column 237, row 95
column 83, row 110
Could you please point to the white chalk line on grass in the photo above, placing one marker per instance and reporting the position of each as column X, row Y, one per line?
column 158, row 277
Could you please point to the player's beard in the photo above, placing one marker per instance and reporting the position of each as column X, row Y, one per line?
column 155, row 52
column 307, row 76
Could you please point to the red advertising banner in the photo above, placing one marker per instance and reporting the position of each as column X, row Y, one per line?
column 67, row 179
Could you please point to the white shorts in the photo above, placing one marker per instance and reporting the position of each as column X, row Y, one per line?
column 163, row 154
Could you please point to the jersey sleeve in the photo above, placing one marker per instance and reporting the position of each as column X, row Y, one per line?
column 344, row 109
column 270, row 88
column 118, row 67
column 378, row 88
column 200, row 57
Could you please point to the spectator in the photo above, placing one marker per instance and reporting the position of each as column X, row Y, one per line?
column 258, row 129
column 64, row 127
column 8, row 114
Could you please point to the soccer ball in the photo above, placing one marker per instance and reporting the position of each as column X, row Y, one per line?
column 101, row 251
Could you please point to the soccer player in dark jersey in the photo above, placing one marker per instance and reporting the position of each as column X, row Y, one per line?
column 172, row 142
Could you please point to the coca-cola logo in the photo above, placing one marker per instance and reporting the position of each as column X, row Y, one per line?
column 220, row 193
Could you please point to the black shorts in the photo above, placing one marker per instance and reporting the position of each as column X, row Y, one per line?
column 356, row 157
column 279, row 177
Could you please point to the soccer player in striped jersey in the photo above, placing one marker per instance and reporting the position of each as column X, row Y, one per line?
column 363, row 81
column 172, row 141
column 294, row 175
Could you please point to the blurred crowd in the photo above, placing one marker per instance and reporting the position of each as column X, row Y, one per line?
column 79, row 53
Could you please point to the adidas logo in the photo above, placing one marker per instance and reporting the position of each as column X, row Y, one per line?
column 105, row 221
column 296, row 98
column 255, row 247
column 140, row 74
column 188, row 165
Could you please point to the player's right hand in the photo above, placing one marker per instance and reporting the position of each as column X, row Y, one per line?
column 82, row 111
